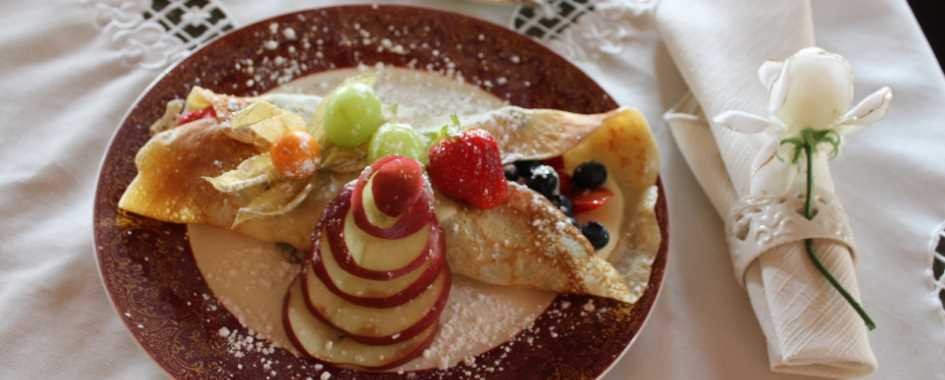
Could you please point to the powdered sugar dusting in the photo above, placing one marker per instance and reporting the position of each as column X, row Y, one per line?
column 301, row 48
column 424, row 100
column 477, row 318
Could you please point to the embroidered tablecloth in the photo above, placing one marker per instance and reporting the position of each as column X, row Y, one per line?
column 70, row 69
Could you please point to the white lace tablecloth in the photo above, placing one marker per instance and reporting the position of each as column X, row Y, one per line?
column 70, row 69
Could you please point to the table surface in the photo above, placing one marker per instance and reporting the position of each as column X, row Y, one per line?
column 91, row 72
column 929, row 16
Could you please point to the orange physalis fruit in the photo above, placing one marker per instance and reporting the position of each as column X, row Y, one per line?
column 295, row 155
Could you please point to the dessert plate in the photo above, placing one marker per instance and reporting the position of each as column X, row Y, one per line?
column 149, row 268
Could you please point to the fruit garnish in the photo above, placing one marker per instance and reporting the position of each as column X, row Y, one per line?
column 257, row 170
column 564, row 182
column 317, row 340
column 397, row 185
column 434, row 136
column 564, row 204
column 468, row 167
column 295, row 155
column 511, row 173
column 412, row 220
column 590, row 175
column 524, row 167
column 196, row 115
column 199, row 98
column 397, row 139
column 544, row 180
column 377, row 326
column 262, row 124
column 352, row 115
column 590, row 200
column 337, row 227
column 556, row 162
column 381, row 293
column 596, row 234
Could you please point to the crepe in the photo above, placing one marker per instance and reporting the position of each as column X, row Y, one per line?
column 177, row 165
column 535, row 133
column 526, row 242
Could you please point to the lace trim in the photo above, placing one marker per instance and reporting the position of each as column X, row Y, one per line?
column 581, row 29
column 154, row 34
column 759, row 224
column 938, row 263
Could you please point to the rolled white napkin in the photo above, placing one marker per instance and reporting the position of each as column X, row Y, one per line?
column 718, row 46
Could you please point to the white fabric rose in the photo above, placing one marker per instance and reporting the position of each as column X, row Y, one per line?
column 811, row 89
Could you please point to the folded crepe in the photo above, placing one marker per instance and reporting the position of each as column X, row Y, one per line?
column 523, row 241
column 175, row 164
column 185, row 174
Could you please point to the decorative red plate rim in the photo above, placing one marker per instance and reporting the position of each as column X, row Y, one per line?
column 148, row 270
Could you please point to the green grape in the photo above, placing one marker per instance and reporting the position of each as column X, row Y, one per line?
column 399, row 139
column 352, row 114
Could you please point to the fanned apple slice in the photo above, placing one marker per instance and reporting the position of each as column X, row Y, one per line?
column 377, row 254
column 373, row 325
column 368, row 256
column 319, row 341
column 380, row 293
column 394, row 228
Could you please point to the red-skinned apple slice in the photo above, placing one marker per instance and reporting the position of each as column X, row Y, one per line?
column 383, row 293
column 397, row 185
column 378, row 326
column 391, row 263
column 320, row 342
column 373, row 253
column 408, row 223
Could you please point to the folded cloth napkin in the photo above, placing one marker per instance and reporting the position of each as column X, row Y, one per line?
column 718, row 47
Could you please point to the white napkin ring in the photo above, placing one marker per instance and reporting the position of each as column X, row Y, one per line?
column 757, row 224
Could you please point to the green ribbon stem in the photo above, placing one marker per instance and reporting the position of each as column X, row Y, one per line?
column 806, row 144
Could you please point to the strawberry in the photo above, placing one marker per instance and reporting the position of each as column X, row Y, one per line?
column 590, row 199
column 196, row 115
column 468, row 168
column 564, row 182
column 556, row 163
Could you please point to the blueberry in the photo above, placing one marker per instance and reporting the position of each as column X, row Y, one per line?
column 524, row 167
column 596, row 234
column 564, row 204
column 511, row 173
column 544, row 180
column 589, row 175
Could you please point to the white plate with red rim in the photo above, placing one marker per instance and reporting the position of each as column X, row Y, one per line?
column 150, row 268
